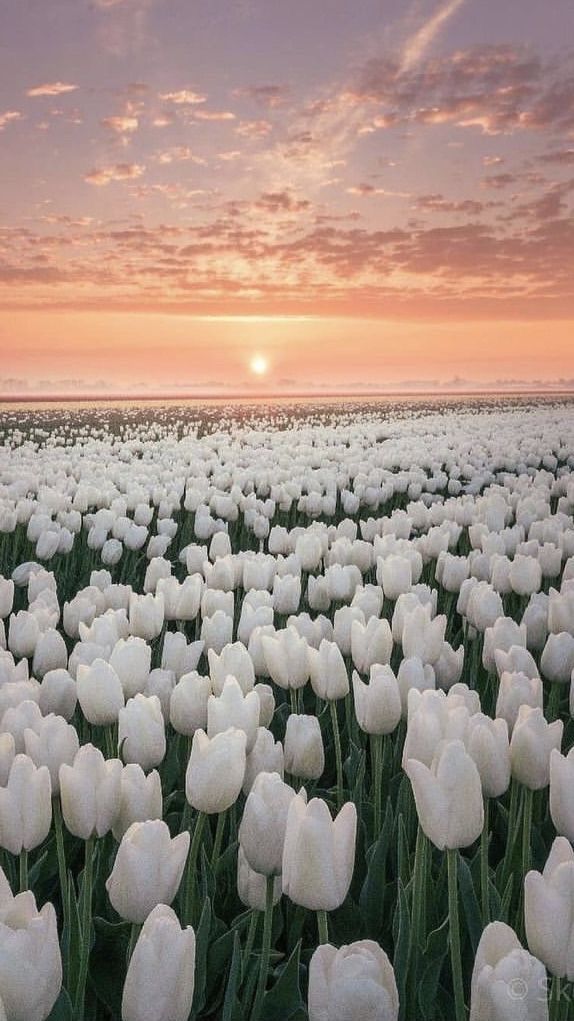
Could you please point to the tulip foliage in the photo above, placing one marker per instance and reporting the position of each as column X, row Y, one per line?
column 286, row 701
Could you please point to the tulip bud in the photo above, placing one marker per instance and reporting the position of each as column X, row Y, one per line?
column 188, row 704
column 516, row 660
column 50, row 653
column 235, row 661
column 414, row 675
column 217, row 631
column 353, row 983
column 508, row 983
column 6, row 596
column 30, row 958
column 515, row 690
column 487, row 744
column 266, row 704
column 100, row 692
column 141, row 731
column 90, row 792
column 328, row 672
column 53, row 743
column 371, row 643
column 448, row 797
column 7, row 754
column 234, row 709
column 25, row 806
column 394, row 575
column 23, row 634
column 252, row 886
column 378, row 703
column 140, row 798
column 548, row 914
column 303, row 750
column 179, row 655
column 146, row 615
column 266, row 756
column 319, row 854
column 18, row 719
column 58, row 694
column 502, row 635
column 557, row 660
column 533, row 739
column 262, row 828
column 286, row 657
column 147, row 870
column 215, row 770
column 161, row 973
column 131, row 660
column 423, row 635
column 562, row 792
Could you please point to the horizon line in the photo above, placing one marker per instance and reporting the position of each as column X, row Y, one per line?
column 67, row 398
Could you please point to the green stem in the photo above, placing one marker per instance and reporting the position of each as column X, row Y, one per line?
column 134, row 934
column 219, row 831
column 484, row 873
column 377, row 767
column 86, row 923
column 23, row 870
column 249, row 941
column 553, row 710
column 338, row 754
column 511, row 832
column 419, row 888
column 191, row 878
column 555, row 998
column 526, row 828
column 293, row 700
column 265, row 949
column 111, row 751
column 454, row 927
column 61, row 852
column 323, row 926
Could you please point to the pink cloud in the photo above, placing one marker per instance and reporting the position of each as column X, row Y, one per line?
column 118, row 172
column 51, row 89
column 9, row 117
column 184, row 97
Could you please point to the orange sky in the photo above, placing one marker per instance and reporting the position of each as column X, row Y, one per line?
column 365, row 198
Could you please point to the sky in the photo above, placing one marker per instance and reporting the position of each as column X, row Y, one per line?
column 254, row 196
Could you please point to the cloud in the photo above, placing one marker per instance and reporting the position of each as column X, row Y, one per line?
column 185, row 97
column 281, row 202
column 558, row 156
column 9, row 117
column 369, row 190
column 118, row 172
column 121, row 125
column 253, row 129
column 214, row 115
column 416, row 46
column 269, row 96
column 179, row 154
column 498, row 181
column 439, row 204
column 51, row 89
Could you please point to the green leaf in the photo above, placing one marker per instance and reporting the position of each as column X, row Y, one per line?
column 108, row 962
column 62, row 1009
column 282, row 1001
column 470, row 903
column 401, row 932
column 201, row 947
column 373, row 891
column 231, row 1006
column 434, row 954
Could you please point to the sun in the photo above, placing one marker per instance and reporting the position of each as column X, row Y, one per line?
column 259, row 365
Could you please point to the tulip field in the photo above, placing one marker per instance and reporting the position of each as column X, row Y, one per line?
column 286, row 712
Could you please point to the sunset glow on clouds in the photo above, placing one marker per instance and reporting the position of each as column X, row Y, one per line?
column 356, row 194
